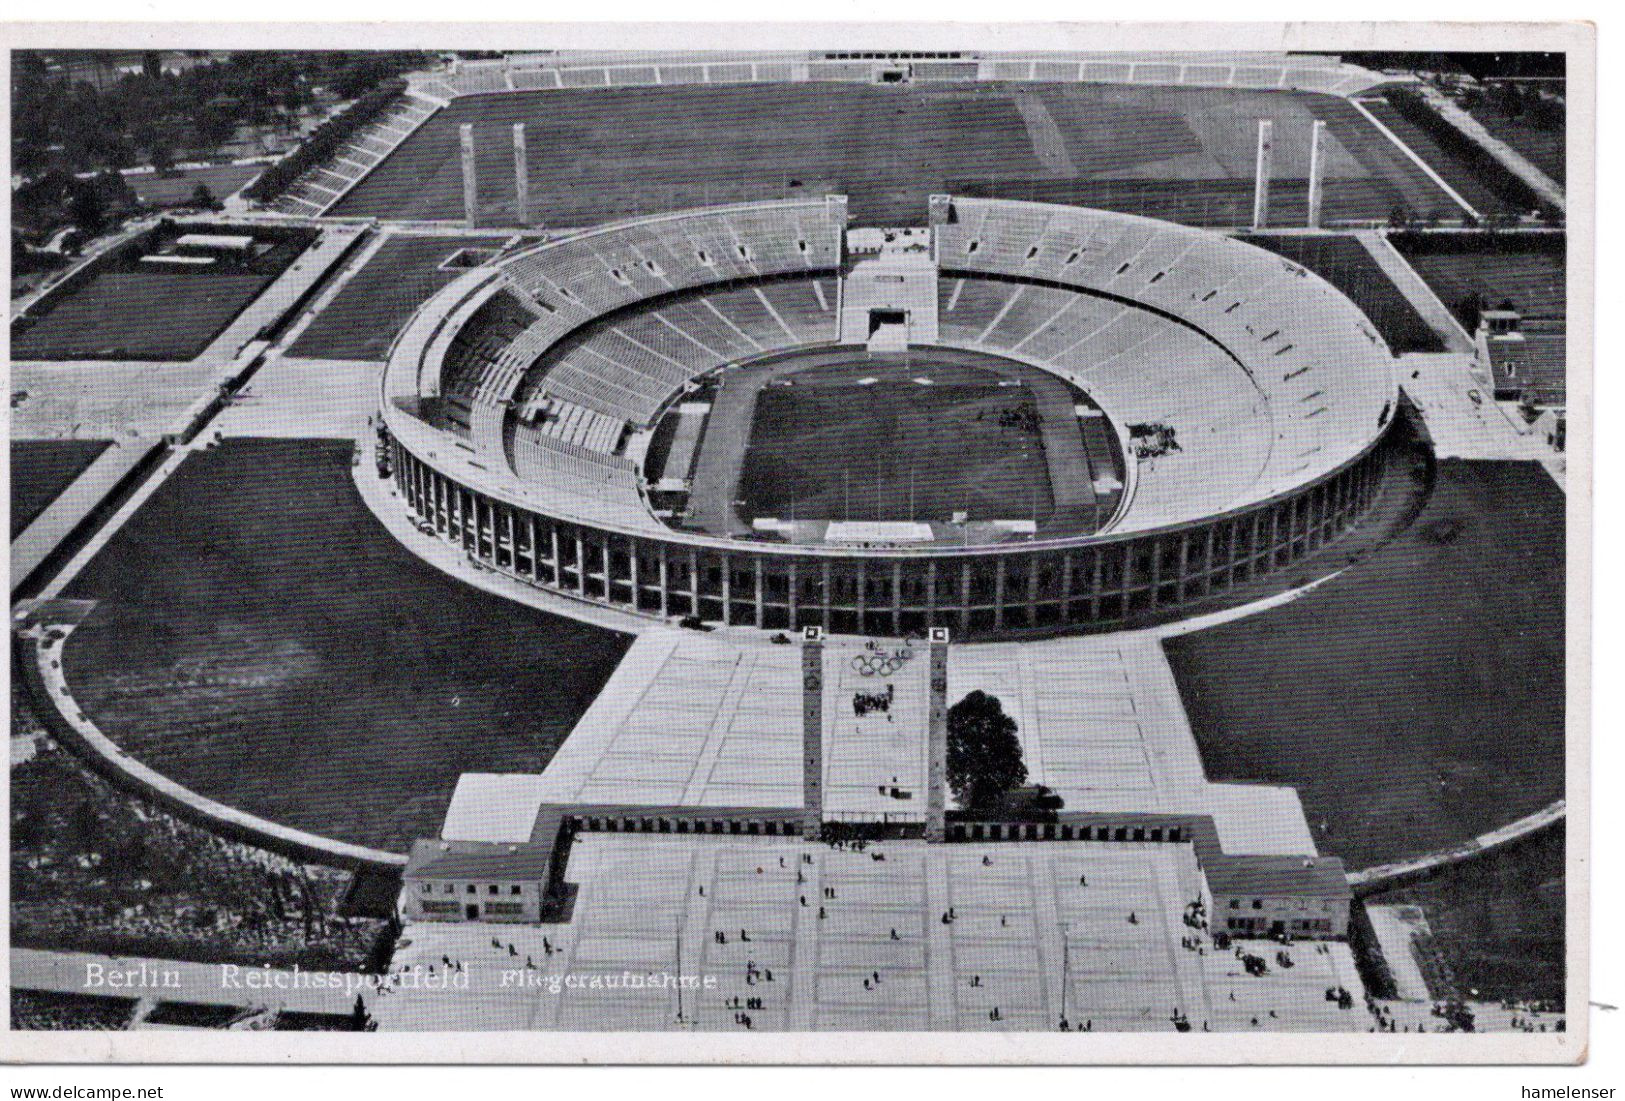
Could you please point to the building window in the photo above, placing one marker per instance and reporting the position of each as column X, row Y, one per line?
column 471, row 889
column 1258, row 904
column 515, row 889
column 1235, row 904
column 426, row 887
column 450, row 889
column 492, row 889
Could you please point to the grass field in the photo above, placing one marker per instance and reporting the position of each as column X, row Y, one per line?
column 1418, row 699
column 1459, row 175
column 832, row 448
column 41, row 470
column 263, row 640
column 1169, row 152
column 1345, row 264
column 222, row 180
column 1533, row 281
column 1497, row 923
column 364, row 317
column 1543, row 148
column 126, row 309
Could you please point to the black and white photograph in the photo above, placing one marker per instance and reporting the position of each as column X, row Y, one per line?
column 926, row 546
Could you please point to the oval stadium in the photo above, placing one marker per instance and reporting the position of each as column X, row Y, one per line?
column 1015, row 416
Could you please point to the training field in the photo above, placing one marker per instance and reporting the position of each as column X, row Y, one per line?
column 1179, row 153
column 1345, row 264
column 264, row 641
column 1418, row 699
column 364, row 317
column 1533, row 281
column 864, row 441
column 41, row 470
column 130, row 309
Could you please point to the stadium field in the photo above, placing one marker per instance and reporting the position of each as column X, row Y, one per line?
column 1418, row 699
column 260, row 638
column 1345, row 264
column 41, row 470
column 1532, row 281
column 608, row 153
column 364, row 317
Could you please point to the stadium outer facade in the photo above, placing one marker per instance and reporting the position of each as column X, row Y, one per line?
column 480, row 379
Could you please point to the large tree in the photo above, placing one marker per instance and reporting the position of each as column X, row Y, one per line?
column 984, row 755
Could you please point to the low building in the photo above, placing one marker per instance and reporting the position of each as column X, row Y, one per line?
column 475, row 881
column 1526, row 359
column 1306, row 898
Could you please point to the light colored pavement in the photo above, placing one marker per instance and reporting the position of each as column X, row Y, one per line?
column 36, row 542
column 1021, row 928
column 1396, row 927
column 1417, row 292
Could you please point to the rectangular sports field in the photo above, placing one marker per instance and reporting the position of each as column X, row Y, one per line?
column 1169, row 152
column 830, row 447
column 1533, row 281
column 364, row 317
column 1416, row 700
column 260, row 638
column 41, row 470
column 129, row 309
column 1346, row 264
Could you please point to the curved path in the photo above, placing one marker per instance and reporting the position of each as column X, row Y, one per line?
column 1383, row 876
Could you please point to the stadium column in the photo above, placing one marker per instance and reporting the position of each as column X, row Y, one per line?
column 936, row 766
column 1317, row 171
column 471, row 195
column 812, row 731
column 1261, row 182
column 521, row 177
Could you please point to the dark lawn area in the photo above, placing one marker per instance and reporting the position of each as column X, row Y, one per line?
column 124, row 307
column 1461, row 176
column 1544, row 147
column 41, row 470
column 1417, row 700
column 159, row 315
column 1532, row 281
column 1496, row 923
column 176, row 188
column 1346, row 264
column 829, row 448
column 597, row 154
column 263, row 640
column 364, row 317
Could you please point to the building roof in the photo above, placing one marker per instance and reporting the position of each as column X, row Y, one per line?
column 431, row 859
column 498, row 808
column 1278, row 877
column 1534, row 360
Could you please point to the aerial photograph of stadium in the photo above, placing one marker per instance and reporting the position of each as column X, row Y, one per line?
column 821, row 540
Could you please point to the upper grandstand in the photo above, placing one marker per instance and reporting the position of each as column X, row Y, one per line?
column 1234, row 375
column 610, row 69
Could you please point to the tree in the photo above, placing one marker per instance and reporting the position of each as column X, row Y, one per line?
column 204, row 199
column 984, row 755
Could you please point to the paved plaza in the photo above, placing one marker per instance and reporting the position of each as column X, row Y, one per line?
column 793, row 935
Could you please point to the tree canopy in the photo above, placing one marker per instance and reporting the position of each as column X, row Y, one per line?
column 984, row 755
